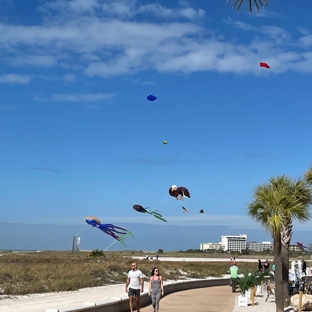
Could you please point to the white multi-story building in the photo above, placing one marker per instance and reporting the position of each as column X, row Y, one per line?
column 207, row 246
column 256, row 246
column 234, row 243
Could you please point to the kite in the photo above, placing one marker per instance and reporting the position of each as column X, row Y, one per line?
column 154, row 213
column 184, row 210
column 201, row 211
column 165, row 142
column 262, row 64
column 114, row 231
column 151, row 97
column 301, row 246
column 175, row 191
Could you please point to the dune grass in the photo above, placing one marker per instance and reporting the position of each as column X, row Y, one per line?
column 28, row 273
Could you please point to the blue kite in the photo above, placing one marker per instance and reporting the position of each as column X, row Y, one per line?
column 151, row 97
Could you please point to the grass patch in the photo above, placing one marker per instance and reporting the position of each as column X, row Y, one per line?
column 41, row 272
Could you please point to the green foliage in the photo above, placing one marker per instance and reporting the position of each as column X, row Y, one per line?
column 261, row 275
column 97, row 253
column 160, row 251
column 246, row 281
column 308, row 175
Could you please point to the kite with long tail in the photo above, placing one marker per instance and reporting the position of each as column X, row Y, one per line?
column 114, row 231
column 154, row 213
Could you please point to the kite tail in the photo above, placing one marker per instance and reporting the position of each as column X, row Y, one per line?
column 122, row 238
column 123, row 231
column 158, row 215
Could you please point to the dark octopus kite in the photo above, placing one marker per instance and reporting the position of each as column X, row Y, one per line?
column 114, row 231
column 154, row 213
column 177, row 191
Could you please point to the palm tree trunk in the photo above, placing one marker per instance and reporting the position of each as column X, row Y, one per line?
column 285, row 276
column 279, row 301
column 285, row 241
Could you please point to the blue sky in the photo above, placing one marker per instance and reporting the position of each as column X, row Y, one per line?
column 78, row 137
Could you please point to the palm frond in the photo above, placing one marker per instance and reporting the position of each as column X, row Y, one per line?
column 277, row 203
column 308, row 175
column 238, row 3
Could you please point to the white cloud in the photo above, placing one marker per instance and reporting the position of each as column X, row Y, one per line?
column 87, row 97
column 15, row 79
column 270, row 31
column 33, row 60
column 101, row 38
column 69, row 78
column 306, row 40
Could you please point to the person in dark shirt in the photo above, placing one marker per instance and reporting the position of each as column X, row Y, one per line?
column 260, row 266
column 304, row 267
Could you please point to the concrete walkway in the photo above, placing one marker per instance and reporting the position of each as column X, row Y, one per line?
column 209, row 299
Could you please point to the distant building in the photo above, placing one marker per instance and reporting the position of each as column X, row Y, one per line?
column 234, row 243
column 295, row 248
column 256, row 246
column 210, row 246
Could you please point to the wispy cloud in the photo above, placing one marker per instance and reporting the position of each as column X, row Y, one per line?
column 152, row 161
column 7, row 107
column 138, row 81
column 45, row 169
column 272, row 32
column 15, row 79
column 120, row 9
column 69, row 78
column 87, row 97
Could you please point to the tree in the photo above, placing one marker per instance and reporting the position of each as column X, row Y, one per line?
column 257, row 3
column 275, row 205
column 296, row 208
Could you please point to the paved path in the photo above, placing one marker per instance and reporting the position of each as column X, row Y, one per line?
column 208, row 299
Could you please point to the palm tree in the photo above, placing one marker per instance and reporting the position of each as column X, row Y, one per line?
column 275, row 205
column 257, row 2
column 297, row 209
column 308, row 175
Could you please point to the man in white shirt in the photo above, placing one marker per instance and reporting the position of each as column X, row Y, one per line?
column 135, row 283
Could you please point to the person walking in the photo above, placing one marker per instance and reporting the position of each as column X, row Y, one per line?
column 260, row 266
column 233, row 272
column 266, row 266
column 156, row 288
column 304, row 267
column 134, row 286
column 273, row 268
